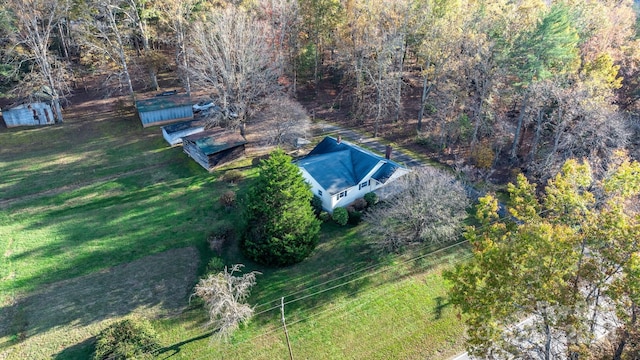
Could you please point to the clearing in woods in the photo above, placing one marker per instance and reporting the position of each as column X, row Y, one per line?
column 100, row 219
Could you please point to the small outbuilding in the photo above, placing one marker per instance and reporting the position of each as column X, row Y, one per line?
column 32, row 114
column 160, row 110
column 174, row 133
column 215, row 147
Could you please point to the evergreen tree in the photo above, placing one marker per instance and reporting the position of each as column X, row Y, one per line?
column 550, row 50
column 281, row 227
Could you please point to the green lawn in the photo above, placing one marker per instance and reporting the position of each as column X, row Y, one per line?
column 99, row 219
column 396, row 309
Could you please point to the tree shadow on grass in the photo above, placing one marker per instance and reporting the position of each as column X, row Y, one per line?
column 157, row 285
column 440, row 306
column 171, row 350
column 80, row 351
column 338, row 267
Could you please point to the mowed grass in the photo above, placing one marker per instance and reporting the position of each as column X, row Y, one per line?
column 130, row 201
column 348, row 308
column 99, row 219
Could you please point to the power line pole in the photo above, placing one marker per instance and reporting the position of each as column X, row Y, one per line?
column 284, row 325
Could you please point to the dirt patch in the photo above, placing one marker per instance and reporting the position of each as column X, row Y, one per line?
column 60, row 315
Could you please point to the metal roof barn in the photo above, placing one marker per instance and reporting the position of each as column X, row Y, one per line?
column 28, row 115
column 164, row 109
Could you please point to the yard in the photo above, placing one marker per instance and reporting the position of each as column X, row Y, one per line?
column 99, row 219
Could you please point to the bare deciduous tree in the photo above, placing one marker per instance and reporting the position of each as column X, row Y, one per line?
column 138, row 13
column 282, row 121
column 105, row 34
column 232, row 56
column 224, row 295
column 429, row 207
column 35, row 22
column 176, row 17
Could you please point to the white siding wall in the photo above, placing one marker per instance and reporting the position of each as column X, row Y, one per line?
column 332, row 201
column 353, row 194
column 326, row 198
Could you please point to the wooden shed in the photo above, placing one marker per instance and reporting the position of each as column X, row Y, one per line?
column 33, row 114
column 162, row 110
column 174, row 133
column 212, row 148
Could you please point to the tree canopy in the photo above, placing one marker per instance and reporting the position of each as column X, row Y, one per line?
column 281, row 228
column 565, row 261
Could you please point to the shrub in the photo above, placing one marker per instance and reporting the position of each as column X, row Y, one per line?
column 224, row 296
column 233, row 176
column 316, row 204
column 340, row 216
column 221, row 236
column 371, row 198
column 130, row 338
column 355, row 217
column 256, row 160
column 429, row 142
column 228, row 199
column 324, row 216
column 464, row 128
column 483, row 156
column 215, row 265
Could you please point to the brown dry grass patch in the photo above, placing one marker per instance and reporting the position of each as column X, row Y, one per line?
column 41, row 324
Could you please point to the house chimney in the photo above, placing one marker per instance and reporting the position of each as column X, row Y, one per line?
column 339, row 139
column 387, row 153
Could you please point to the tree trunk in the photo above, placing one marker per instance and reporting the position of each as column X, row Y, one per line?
column 556, row 142
column 423, row 99
column 425, row 92
column 63, row 43
column 316, row 63
column 625, row 335
column 376, row 126
column 182, row 57
column 478, row 113
column 144, row 34
column 547, row 342
column 516, row 138
column 121, row 53
column 399, row 80
column 536, row 137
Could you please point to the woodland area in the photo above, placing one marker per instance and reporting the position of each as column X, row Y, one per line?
column 492, row 87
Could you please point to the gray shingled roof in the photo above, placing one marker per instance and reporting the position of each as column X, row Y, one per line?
column 339, row 166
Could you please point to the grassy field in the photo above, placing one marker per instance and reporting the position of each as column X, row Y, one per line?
column 99, row 219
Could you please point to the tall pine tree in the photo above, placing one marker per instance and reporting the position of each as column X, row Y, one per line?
column 281, row 226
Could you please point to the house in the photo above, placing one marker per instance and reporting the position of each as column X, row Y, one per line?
column 340, row 172
column 214, row 147
column 160, row 110
column 174, row 133
column 38, row 113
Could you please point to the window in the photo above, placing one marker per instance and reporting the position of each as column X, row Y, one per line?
column 342, row 194
column 364, row 184
column 319, row 192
